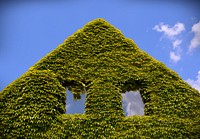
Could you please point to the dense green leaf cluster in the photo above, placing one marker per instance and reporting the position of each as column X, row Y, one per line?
column 30, row 104
column 99, row 61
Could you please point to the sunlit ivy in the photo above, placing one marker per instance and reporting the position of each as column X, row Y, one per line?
column 99, row 61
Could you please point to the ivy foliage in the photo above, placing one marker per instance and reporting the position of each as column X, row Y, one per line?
column 99, row 61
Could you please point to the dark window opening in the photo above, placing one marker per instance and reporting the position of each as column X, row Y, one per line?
column 132, row 103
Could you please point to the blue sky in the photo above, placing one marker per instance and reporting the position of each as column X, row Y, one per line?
column 167, row 30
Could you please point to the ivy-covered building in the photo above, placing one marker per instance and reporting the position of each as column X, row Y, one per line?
column 99, row 61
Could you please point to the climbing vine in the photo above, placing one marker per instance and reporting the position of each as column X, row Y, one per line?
column 99, row 59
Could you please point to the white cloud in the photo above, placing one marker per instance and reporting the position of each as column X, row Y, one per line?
column 67, row 106
column 195, row 83
column 195, row 42
column 175, row 57
column 133, row 104
column 170, row 31
column 176, row 43
column 173, row 34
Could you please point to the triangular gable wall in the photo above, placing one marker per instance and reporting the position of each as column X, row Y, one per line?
column 99, row 59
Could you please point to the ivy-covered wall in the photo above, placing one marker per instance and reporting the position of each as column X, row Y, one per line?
column 99, row 61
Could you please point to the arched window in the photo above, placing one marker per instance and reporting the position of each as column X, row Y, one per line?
column 75, row 106
column 132, row 103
